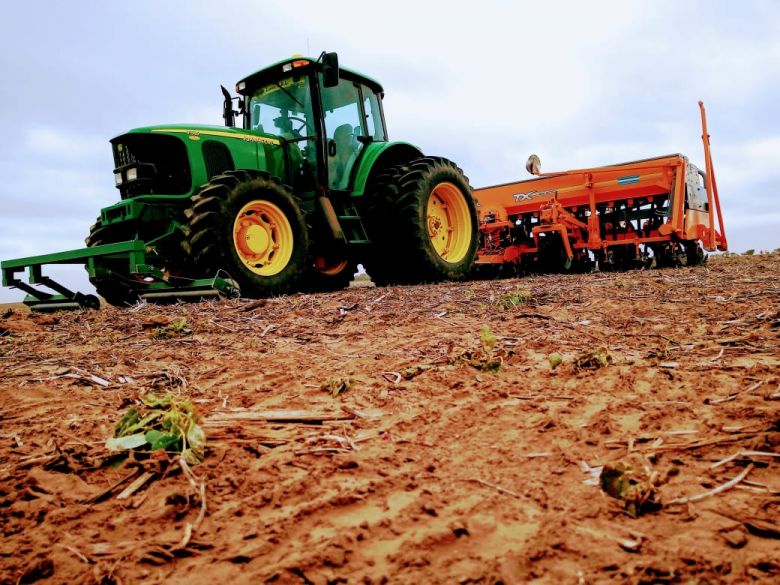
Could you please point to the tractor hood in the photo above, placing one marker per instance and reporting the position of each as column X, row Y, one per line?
column 197, row 131
column 172, row 159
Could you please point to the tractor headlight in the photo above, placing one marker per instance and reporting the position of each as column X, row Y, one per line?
column 135, row 173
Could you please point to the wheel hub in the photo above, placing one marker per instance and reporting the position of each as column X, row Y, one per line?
column 263, row 237
column 434, row 225
column 449, row 222
column 257, row 239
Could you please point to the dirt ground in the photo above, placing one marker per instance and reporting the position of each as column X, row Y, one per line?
column 385, row 436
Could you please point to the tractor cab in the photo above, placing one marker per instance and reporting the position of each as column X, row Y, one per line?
column 324, row 116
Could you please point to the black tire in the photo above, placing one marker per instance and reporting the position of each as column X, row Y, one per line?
column 694, row 253
column 333, row 277
column 100, row 234
column 114, row 292
column 663, row 256
column 552, row 255
column 607, row 261
column 617, row 258
column 209, row 231
column 398, row 223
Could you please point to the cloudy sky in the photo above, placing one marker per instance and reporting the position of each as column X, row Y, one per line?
column 485, row 84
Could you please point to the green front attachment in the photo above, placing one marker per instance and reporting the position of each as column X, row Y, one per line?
column 159, row 288
column 150, row 283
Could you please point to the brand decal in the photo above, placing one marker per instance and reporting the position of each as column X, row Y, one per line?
column 628, row 180
column 196, row 134
column 520, row 197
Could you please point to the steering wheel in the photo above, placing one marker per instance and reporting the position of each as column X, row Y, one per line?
column 303, row 125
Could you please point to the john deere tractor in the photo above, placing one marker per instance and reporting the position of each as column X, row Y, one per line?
column 308, row 186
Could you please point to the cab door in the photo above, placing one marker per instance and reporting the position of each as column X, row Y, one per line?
column 343, row 126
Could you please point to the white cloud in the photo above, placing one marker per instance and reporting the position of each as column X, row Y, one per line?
column 47, row 141
column 735, row 69
column 203, row 113
column 745, row 162
column 747, row 173
column 52, row 193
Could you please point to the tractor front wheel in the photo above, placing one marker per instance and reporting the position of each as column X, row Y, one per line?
column 252, row 227
column 423, row 222
column 114, row 291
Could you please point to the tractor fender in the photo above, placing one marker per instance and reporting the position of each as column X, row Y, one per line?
column 379, row 156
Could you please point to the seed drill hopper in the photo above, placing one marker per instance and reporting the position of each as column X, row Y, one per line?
column 661, row 211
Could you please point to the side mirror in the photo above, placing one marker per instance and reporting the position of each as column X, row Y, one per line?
column 533, row 165
column 330, row 69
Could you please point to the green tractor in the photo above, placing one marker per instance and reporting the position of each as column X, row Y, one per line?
column 306, row 188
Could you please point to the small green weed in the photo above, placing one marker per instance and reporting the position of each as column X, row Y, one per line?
column 337, row 385
column 485, row 358
column 664, row 352
column 488, row 339
column 633, row 487
column 176, row 328
column 166, row 422
column 519, row 297
column 593, row 360
column 491, row 362
column 414, row 371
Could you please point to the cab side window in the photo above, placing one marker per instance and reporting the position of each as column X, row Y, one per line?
column 373, row 115
column 342, row 128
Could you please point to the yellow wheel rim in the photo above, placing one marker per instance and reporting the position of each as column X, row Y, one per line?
column 263, row 237
column 449, row 222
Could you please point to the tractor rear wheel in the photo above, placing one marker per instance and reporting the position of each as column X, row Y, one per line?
column 251, row 226
column 423, row 222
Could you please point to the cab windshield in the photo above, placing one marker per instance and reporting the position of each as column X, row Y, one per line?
column 283, row 108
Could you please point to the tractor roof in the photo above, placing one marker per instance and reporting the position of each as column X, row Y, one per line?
column 284, row 66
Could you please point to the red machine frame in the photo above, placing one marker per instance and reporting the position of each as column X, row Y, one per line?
column 617, row 213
